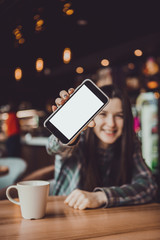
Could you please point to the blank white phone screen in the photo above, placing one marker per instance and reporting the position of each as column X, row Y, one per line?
column 76, row 112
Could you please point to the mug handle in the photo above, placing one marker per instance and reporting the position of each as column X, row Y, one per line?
column 9, row 196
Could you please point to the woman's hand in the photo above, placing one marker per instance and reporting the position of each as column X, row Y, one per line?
column 64, row 96
column 79, row 199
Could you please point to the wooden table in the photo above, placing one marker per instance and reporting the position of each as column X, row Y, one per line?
column 62, row 222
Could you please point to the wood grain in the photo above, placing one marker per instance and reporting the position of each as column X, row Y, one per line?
column 62, row 222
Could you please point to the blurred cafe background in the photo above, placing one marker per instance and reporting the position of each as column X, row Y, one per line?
column 50, row 45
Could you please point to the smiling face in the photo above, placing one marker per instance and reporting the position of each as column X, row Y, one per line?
column 109, row 123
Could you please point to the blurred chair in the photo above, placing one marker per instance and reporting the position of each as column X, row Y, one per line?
column 45, row 173
column 17, row 167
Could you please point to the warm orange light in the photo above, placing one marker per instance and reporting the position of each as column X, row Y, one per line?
column 65, row 9
column 38, row 28
column 67, row 5
column 40, row 22
column 79, row 70
column 18, row 35
column 16, row 31
column 39, row 64
column 152, row 84
column 105, row 62
column 67, row 55
column 69, row 11
column 18, row 74
column 21, row 40
column 138, row 53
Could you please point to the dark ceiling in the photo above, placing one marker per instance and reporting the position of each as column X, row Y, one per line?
column 113, row 30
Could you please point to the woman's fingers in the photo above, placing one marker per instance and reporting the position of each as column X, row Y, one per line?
column 64, row 95
column 54, row 108
column 59, row 101
column 74, row 199
column 77, row 199
column 80, row 201
column 70, row 196
column 83, row 205
column 70, row 91
column 91, row 125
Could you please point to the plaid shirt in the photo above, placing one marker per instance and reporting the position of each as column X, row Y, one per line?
column 67, row 175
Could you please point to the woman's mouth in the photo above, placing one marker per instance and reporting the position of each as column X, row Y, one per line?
column 109, row 132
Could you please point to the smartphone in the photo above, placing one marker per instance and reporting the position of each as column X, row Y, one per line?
column 83, row 105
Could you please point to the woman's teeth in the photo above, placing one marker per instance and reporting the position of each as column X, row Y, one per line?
column 109, row 131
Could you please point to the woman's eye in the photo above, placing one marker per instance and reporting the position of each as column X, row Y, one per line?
column 102, row 114
column 119, row 115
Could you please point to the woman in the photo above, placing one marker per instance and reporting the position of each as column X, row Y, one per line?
column 104, row 165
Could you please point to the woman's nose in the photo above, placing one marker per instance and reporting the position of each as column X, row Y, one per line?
column 110, row 120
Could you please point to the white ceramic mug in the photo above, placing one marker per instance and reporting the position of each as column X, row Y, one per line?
column 32, row 198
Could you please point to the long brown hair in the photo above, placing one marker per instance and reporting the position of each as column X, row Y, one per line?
column 121, row 166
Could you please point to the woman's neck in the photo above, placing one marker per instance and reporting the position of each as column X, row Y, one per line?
column 103, row 145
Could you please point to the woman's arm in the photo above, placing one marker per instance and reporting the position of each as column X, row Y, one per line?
column 143, row 188
column 54, row 146
column 80, row 199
